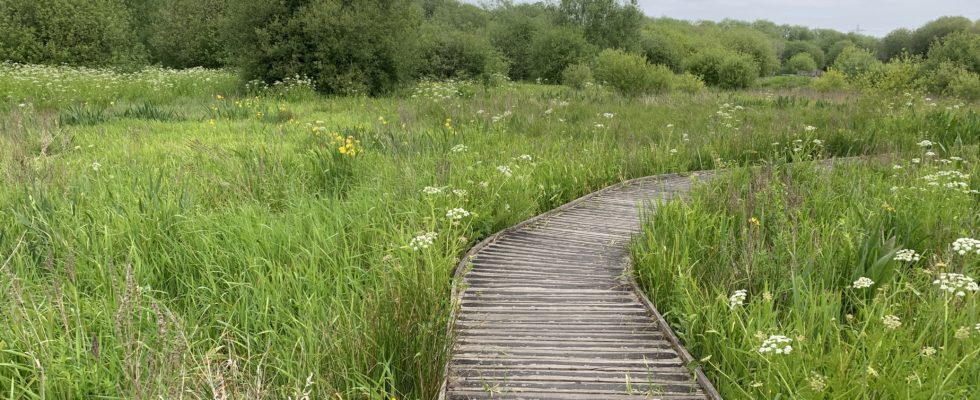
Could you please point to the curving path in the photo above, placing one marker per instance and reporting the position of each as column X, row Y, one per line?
column 546, row 309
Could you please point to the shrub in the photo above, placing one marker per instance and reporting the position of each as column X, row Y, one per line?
column 961, row 48
column 663, row 50
column 577, row 76
column 723, row 68
column 936, row 30
column 554, row 50
column 895, row 43
column 630, row 74
column 855, row 62
column 755, row 45
column 952, row 79
column 795, row 47
column 606, row 23
column 801, row 62
column 897, row 76
column 831, row 80
column 965, row 85
column 361, row 47
column 737, row 72
column 186, row 33
column 688, row 83
column 453, row 54
column 76, row 32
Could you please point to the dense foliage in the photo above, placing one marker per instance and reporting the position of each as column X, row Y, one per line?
column 374, row 47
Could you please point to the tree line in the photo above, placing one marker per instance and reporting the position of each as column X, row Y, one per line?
column 374, row 46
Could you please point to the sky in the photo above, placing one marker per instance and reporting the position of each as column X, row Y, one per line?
column 875, row 17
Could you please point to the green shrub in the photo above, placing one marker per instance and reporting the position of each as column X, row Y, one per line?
column 452, row 54
column 894, row 44
column 724, row 68
column 630, row 74
column 605, row 23
column 755, row 45
column 898, row 76
column 186, row 33
column 795, row 47
column 961, row 48
column 951, row 79
column 965, row 85
column 554, row 50
column 663, row 50
column 936, row 30
column 362, row 47
column 76, row 32
column 688, row 83
column 737, row 72
column 831, row 80
column 577, row 76
column 801, row 62
column 855, row 62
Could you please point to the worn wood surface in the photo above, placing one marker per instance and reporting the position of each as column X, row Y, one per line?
column 546, row 309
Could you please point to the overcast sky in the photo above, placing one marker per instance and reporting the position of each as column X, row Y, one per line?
column 875, row 17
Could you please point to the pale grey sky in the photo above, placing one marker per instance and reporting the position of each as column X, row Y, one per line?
column 876, row 17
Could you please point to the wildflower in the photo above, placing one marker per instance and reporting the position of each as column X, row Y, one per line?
column 872, row 371
column 778, row 344
column 737, row 298
column 457, row 214
column 966, row 245
column 818, row 142
column 685, row 138
column 22, row 105
column 896, row 166
column 907, row 255
column 673, row 151
column 862, row 283
column 930, row 154
column 962, row 333
column 957, row 284
column 459, row 148
column 423, row 241
column 977, row 327
column 505, row 170
column 925, row 143
column 459, row 192
column 891, row 322
column 817, row 382
column 809, row 128
column 608, row 115
column 916, row 160
column 599, row 126
column 754, row 221
column 430, row 190
column 670, row 126
column 928, row 351
column 525, row 157
column 96, row 166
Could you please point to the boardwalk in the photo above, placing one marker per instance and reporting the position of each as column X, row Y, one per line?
column 547, row 312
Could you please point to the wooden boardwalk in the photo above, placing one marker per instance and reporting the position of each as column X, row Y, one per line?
column 546, row 309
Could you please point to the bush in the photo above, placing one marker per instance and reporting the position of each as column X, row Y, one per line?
column 936, row 30
column 76, row 32
column 454, row 54
column 965, row 85
column 894, row 44
column 724, row 68
column 961, row 48
column 577, row 76
column 554, row 50
column 186, row 33
column 630, row 74
column 953, row 80
column 361, row 47
column 795, row 47
column 801, row 62
column 661, row 49
column 738, row 72
column 755, row 45
column 688, row 83
column 899, row 75
column 832, row 80
column 855, row 62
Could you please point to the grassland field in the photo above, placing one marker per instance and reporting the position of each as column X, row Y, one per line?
column 177, row 234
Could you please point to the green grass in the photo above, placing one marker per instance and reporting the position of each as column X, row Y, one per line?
column 192, row 239
column 798, row 240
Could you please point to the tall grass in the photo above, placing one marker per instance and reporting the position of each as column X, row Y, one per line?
column 823, row 258
column 245, row 256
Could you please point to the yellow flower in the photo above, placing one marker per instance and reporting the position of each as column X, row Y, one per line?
column 219, row 97
column 342, row 150
column 754, row 221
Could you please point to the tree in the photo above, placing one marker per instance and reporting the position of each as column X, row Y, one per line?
column 894, row 44
column 186, row 33
column 352, row 47
column 755, row 45
column 935, row 30
column 554, row 50
column 795, row 47
column 854, row 61
column 801, row 62
column 606, row 23
column 960, row 48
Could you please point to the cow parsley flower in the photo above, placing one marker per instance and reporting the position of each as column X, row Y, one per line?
column 459, row 148
column 907, row 255
column 891, row 322
column 737, row 298
column 608, row 115
column 962, row 333
column 457, row 214
column 809, row 128
column 460, row 192
column 525, row 157
column 925, row 143
column 962, row 246
column 957, row 284
column 431, row 190
column 778, row 344
column 928, row 351
column 96, row 166
column 862, row 283
column 423, row 241
column 505, row 170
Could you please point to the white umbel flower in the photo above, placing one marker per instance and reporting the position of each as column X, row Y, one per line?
column 737, row 298
column 777, row 344
column 907, row 255
column 862, row 283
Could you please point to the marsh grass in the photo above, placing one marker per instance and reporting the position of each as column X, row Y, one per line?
column 238, row 255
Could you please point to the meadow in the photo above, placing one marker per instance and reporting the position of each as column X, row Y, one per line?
column 180, row 234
